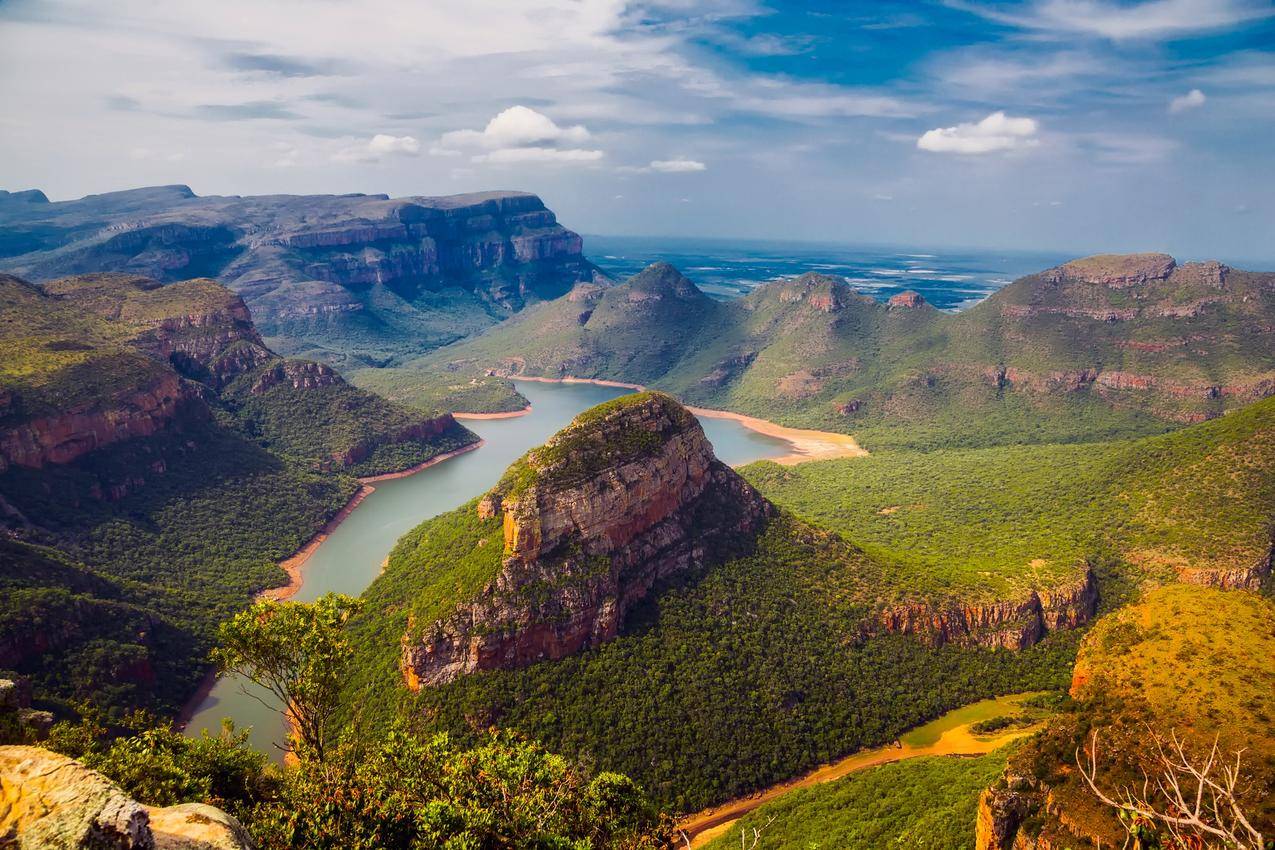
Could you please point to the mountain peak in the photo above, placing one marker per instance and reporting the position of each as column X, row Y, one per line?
column 908, row 299
column 1118, row 270
column 661, row 280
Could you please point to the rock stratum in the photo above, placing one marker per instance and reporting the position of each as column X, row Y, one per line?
column 51, row 802
column 109, row 358
column 351, row 279
column 628, row 496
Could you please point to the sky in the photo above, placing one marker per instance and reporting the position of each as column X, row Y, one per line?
column 1072, row 125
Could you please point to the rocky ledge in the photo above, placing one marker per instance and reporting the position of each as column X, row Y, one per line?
column 628, row 495
column 53, row 802
column 1013, row 624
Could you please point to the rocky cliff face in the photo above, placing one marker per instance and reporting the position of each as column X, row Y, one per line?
column 70, row 434
column 628, row 495
column 1012, row 624
column 50, row 801
column 355, row 275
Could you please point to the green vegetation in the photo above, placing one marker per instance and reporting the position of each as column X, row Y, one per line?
column 989, row 521
column 703, row 696
column 298, row 654
column 338, row 426
column 1018, row 368
column 923, row 803
column 427, row 390
column 164, row 535
column 402, row 791
column 1188, row 660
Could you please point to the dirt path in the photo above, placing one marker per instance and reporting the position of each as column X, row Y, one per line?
column 951, row 741
column 806, row 444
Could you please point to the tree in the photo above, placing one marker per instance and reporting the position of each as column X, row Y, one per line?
column 1193, row 801
column 297, row 652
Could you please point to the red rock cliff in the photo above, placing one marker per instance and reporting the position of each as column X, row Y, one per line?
column 628, row 495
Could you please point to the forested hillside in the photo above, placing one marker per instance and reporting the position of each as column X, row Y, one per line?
column 150, row 437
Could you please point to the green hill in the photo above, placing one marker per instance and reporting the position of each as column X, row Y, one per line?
column 148, row 433
column 1186, row 660
column 1197, row 503
column 1103, row 348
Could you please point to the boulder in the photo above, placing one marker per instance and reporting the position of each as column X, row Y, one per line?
column 51, row 802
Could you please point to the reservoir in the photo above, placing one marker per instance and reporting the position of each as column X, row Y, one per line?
column 351, row 557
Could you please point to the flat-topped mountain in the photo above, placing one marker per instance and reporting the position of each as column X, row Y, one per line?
column 1102, row 347
column 344, row 278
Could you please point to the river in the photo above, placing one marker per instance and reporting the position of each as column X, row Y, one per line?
column 351, row 556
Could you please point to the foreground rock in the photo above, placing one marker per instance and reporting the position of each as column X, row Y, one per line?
column 51, row 802
column 628, row 495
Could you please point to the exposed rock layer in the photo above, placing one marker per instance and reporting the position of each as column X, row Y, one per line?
column 51, row 802
column 1014, row 624
column 589, row 537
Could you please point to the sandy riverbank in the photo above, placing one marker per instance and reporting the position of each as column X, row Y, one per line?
column 957, row 741
column 292, row 565
column 509, row 414
column 806, row 444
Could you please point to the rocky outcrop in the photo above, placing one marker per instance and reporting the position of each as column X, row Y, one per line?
column 630, row 494
column 20, row 722
column 1012, row 624
column 51, row 802
column 73, row 433
column 1115, row 270
column 907, row 300
column 1229, row 578
column 298, row 374
column 1001, row 811
column 195, row 826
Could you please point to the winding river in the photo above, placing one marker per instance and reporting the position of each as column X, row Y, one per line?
column 350, row 557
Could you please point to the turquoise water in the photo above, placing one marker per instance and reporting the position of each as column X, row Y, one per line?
column 352, row 555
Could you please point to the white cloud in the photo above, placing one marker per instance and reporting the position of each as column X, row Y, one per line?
column 382, row 144
column 535, row 154
column 520, row 134
column 995, row 133
column 677, row 166
column 517, row 127
column 1151, row 19
column 1192, row 99
column 377, row 148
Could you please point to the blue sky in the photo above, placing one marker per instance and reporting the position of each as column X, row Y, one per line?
column 1076, row 125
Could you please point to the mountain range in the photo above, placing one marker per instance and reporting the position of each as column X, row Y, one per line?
column 346, row 279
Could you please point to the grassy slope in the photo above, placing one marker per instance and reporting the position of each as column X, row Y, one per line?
column 985, row 521
column 925, row 803
column 1188, row 659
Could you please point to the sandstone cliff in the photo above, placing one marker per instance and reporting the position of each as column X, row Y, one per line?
column 1011, row 624
column 365, row 276
column 51, row 802
column 627, row 496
